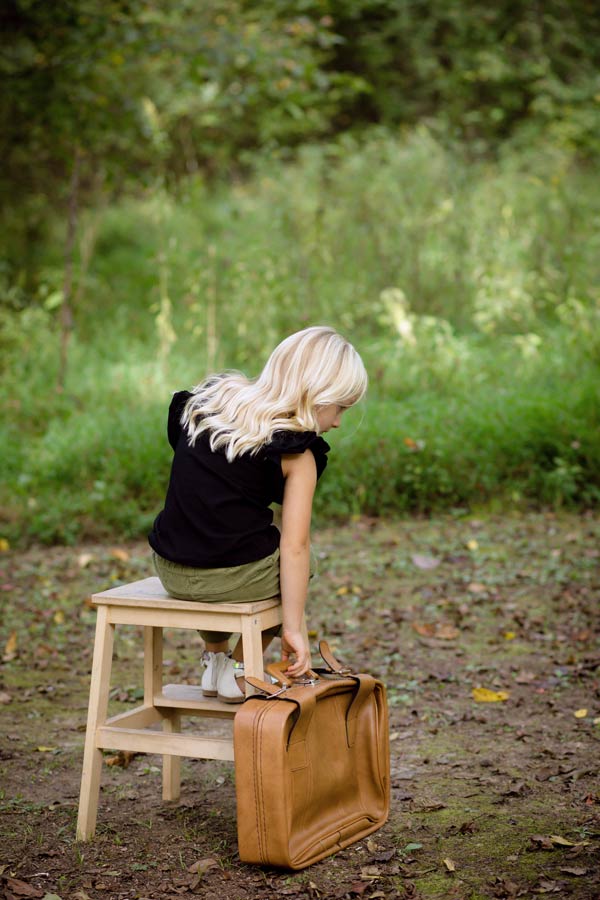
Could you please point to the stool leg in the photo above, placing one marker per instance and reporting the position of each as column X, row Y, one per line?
column 153, row 660
column 252, row 648
column 172, row 764
column 153, row 682
column 98, row 707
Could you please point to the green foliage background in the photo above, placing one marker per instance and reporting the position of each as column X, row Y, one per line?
column 420, row 175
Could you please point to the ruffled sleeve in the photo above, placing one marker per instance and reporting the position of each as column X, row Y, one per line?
column 284, row 442
column 175, row 412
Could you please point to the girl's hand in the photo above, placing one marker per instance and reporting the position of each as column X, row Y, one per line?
column 292, row 643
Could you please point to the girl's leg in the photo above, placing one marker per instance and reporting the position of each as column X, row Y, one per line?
column 217, row 647
column 267, row 636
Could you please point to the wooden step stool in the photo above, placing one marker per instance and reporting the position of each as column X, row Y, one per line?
column 147, row 604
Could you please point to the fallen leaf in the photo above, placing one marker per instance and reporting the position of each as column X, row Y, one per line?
column 450, row 864
column 545, row 886
column 59, row 617
column 584, row 635
column 359, row 887
column 580, row 713
column 425, row 562
column 472, row 545
column 202, row 866
column 542, row 841
column 525, row 677
column 384, row 857
column 446, row 632
column 84, row 559
column 117, row 553
column 370, row 872
column 51, row 897
column 561, row 841
column 509, row 635
column 121, row 759
column 5, row 697
column 22, row 889
column 573, row 870
column 517, row 790
column 440, row 630
column 4, row 545
column 43, row 749
column 10, row 648
column 426, row 629
column 475, row 587
column 483, row 695
column 510, row 889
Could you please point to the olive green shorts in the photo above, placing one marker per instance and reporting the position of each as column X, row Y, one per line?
column 231, row 584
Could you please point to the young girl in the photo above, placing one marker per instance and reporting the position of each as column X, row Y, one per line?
column 241, row 445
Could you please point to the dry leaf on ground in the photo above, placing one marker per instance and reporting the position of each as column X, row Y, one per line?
column 443, row 631
column 425, row 562
column 484, row 695
column 202, row 865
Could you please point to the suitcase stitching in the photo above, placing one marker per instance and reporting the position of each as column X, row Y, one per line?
column 258, row 787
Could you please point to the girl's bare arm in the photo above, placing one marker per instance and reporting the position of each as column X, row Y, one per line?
column 300, row 473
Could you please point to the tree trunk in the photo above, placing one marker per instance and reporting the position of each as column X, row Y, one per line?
column 66, row 310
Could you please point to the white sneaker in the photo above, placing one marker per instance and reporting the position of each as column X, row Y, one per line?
column 209, row 678
column 227, row 687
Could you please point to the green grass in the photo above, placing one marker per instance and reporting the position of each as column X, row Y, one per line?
column 470, row 289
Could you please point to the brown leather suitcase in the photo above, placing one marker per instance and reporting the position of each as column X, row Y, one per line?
column 312, row 765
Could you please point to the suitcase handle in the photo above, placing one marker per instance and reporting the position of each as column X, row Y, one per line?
column 277, row 670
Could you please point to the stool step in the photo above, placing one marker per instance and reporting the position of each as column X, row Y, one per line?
column 189, row 698
column 163, row 743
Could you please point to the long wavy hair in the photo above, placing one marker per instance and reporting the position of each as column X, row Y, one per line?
column 309, row 369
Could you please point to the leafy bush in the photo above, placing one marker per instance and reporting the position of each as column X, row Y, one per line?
column 470, row 289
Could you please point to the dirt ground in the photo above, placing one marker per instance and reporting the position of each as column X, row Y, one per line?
column 494, row 795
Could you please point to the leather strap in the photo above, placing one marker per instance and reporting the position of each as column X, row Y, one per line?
column 302, row 698
column 332, row 662
column 365, row 687
column 261, row 685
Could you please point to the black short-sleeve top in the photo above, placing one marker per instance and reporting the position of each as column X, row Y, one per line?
column 217, row 512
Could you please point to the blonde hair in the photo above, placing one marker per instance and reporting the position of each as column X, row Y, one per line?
column 311, row 368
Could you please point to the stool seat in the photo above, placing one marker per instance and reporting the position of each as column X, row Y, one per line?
column 145, row 603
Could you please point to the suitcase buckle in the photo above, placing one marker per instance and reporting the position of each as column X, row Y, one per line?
column 281, row 690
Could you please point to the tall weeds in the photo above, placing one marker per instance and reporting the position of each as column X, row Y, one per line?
column 470, row 288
